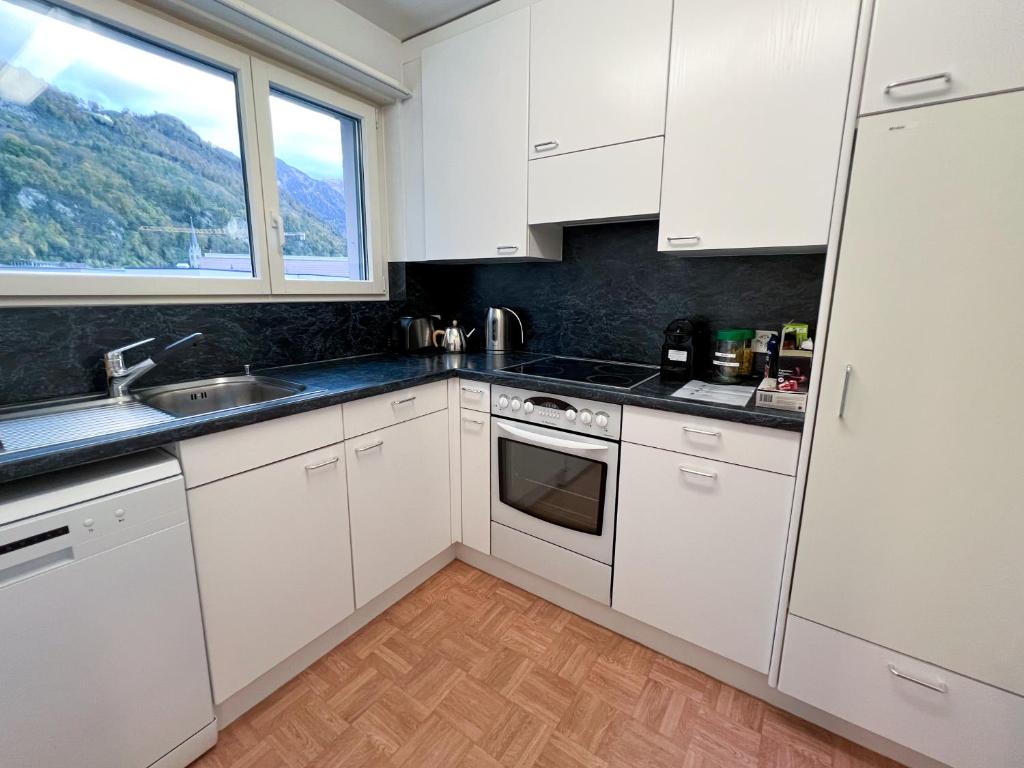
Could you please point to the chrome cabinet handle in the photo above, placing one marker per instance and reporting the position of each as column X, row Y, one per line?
column 322, row 464
column 473, row 390
column 370, row 447
column 545, row 146
column 946, row 77
column 708, row 432
column 846, row 388
column 473, row 421
column 507, row 248
column 403, row 401
column 683, row 239
column 939, row 687
column 699, row 473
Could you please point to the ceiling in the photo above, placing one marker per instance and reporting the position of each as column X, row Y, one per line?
column 407, row 18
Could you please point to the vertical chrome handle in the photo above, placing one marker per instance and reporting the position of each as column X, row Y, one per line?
column 370, row 447
column 403, row 401
column 939, row 687
column 507, row 248
column 846, row 388
column 945, row 77
column 545, row 146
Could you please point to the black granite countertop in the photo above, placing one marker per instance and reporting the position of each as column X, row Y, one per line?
column 338, row 381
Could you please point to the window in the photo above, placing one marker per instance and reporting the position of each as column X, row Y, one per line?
column 130, row 163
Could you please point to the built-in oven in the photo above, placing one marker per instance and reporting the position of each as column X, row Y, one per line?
column 554, row 474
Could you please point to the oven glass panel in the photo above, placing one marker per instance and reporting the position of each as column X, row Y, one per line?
column 564, row 490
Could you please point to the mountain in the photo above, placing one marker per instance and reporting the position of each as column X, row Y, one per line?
column 81, row 185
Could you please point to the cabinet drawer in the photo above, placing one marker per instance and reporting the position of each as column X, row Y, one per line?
column 968, row 724
column 621, row 181
column 475, row 395
column 775, row 450
column 699, row 548
column 385, row 410
column 211, row 457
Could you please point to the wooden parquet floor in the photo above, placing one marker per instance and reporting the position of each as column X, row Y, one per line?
column 469, row 671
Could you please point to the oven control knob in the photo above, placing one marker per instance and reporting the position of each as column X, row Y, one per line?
column 586, row 417
column 570, row 415
column 527, row 407
column 601, row 419
column 516, row 404
column 503, row 402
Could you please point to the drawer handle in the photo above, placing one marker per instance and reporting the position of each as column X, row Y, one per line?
column 473, row 390
column 699, row 473
column 945, row 77
column 370, row 447
column 473, row 421
column 403, row 401
column 708, row 432
column 683, row 240
column 322, row 464
column 939, row 687
column 545, row 146
column 507, row 248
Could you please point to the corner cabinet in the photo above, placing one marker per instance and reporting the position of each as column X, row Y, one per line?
column 756, row 107
column 475, row 130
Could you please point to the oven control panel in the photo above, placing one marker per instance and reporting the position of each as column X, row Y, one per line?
column 574, row 414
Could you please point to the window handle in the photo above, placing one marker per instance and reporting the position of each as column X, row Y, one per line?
column 699, row 473
column 278, row 225
column 945, row 77
column 403, row 401
column 545, row 146
column 370, row 447
column 322, row 464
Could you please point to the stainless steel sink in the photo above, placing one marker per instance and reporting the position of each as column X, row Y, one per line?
column 197, row 397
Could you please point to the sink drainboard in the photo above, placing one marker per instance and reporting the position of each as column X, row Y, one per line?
column 22, row 434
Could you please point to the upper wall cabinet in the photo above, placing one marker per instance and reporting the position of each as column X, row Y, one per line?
column 598, row 73
column 757, row 99
column 475, row 115
column 924, row 51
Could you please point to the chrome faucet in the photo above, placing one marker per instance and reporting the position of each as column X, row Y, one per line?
column 120, row 377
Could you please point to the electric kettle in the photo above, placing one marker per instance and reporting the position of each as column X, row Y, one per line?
column 499, row 329
column 453, row 338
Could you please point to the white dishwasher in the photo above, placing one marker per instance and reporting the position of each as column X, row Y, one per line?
column 102, row 658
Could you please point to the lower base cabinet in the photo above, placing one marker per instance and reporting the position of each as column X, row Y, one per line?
column 274, row 563
column 400, row 497
column 475, row 479
column 699, row 550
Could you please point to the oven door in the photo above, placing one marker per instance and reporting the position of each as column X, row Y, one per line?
column 556, row 486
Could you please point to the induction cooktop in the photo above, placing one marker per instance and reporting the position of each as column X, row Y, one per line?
column 577, row 370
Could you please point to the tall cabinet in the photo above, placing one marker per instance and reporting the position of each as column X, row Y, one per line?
column 906, row 606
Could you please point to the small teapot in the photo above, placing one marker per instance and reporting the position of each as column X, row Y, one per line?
column 453, row 338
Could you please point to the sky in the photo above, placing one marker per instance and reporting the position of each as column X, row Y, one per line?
column 97, row 67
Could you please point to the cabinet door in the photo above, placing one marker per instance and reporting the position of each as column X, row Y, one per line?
column 274, row 563
column 912, row 519
column 598, row 73
column 475, row 453
column 699, row 546
column 757, row 98
column 925, row 51
column 475, row 114
column 400, row 496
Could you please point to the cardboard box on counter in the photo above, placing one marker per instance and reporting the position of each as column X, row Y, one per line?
column 769, row 396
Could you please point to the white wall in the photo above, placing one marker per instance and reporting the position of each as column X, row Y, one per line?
column 341, row 29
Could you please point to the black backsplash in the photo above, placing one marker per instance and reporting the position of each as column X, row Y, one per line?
column 610, row 298
column 613, row 294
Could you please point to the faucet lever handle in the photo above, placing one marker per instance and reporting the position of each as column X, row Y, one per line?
column 114, row 359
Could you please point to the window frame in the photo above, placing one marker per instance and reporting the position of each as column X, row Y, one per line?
column 260, row 180
column 266, row 77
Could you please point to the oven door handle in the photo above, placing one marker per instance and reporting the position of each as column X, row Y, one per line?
column 552, row 442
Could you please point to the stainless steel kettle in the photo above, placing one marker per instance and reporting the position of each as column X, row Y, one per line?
column 499, row 329
column 453, row 338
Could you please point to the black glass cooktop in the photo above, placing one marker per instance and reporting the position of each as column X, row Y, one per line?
column 619, row 375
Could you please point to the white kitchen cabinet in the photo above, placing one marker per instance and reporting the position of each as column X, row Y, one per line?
column 699, row 549
column 912, row 527
column 475, row 460
column 925, row 51
column 756, row 106
column 475, row 129
column 274, row 564
column 598, row 73
column 400, row 499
